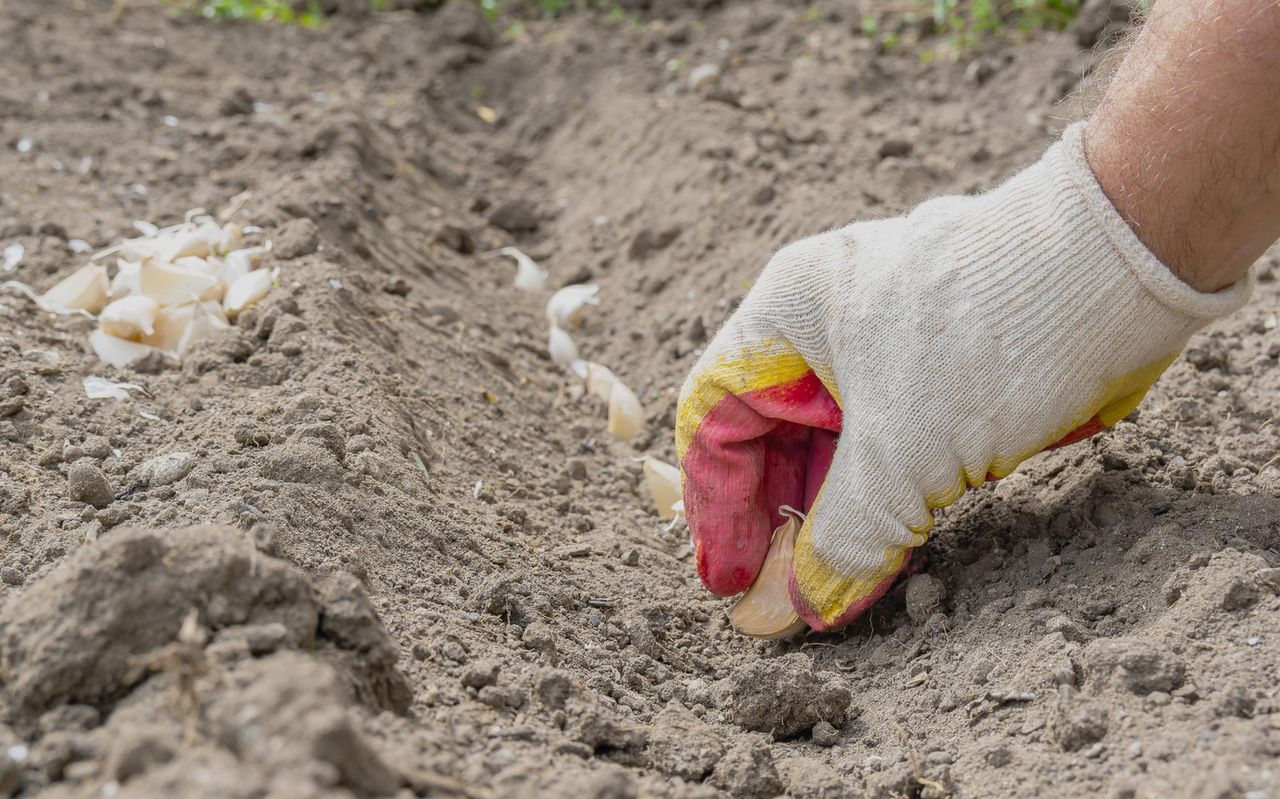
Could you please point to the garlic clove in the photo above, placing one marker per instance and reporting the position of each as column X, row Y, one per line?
column 600, row 381
column 238, row 263
column 202, row 325
column 563, row 351
column 564, row 309
column 529, row 276
column 171, row 324
column 663, row 481
column 626, row 414
column 129, row 317
column 117, row 352
column 169, row 284
column 765, row 609
column 198, row 241
column 86, row 289
column 246, row 292
column 232, row 236
column 127, row 279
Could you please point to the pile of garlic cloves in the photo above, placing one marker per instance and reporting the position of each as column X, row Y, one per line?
column 169, row 288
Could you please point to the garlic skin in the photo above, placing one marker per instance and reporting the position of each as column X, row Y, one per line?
column 129, row 317
column 86, row 289
column 246, row 292
column 765, row 609
column 663, row 481
column 564, row 309
column 169, row 284
column 626, row 414
column 117, row 352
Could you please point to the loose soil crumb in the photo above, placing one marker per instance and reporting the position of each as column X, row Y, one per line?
column 417, row 563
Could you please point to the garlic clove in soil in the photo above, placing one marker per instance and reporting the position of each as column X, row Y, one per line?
column 129, row 317
column 246, row 292
column 564, row 352
column 529, row 276
column 169, row 284
column 564, row 309
column 117, row 352
column 765, row 610
column 600, row 381
column 626, row 414
column 663, row 481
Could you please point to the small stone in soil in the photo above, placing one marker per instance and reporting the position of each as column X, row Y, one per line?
column 87, row 483
column 165, row 469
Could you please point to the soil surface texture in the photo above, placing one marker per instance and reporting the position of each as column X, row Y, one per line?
column 372, row 542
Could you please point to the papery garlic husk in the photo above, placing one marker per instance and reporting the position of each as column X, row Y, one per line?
column 564, row 309
column 563, row 351
column 127, row 279
column 765, row 610
column 117, row 352
column 86, row 289
column 529, row 276
column 663, row 481
column 600, row 381
column 169, row 284
column 626, row 414
column 129, row 317
column 246, row 292
column 172, row 323
column 203, row 324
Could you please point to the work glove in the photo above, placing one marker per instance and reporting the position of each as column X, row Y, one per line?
column 875, row 372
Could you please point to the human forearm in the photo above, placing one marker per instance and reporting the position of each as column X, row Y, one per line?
column 1186, row 143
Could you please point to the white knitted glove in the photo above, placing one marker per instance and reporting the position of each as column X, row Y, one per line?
column 950, row 345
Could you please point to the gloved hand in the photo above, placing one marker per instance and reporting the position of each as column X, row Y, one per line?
column 875, row 372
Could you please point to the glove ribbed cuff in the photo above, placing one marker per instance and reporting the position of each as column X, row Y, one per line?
column 1068, row 159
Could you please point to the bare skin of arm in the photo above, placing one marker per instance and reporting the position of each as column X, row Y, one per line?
column 1186, row 142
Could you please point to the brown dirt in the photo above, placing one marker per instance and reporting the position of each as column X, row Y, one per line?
column 417, row 563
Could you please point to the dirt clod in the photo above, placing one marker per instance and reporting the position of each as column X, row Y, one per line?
column 925, row 596
column 785, row 696
column 747, row 770
column 682, row 746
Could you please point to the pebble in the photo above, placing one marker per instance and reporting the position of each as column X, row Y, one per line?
column 940, row 758
column 165, row 469
column 10, row 576
column 87, row 483
column 631, row 558
column 703, row 75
